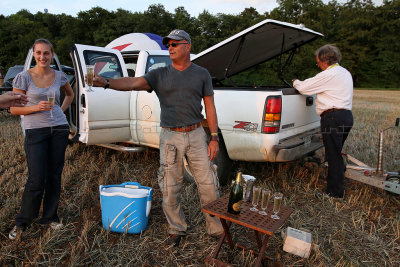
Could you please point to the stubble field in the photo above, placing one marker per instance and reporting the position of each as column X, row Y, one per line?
column 363, row 229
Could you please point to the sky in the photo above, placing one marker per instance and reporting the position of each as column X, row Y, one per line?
column 193, row 7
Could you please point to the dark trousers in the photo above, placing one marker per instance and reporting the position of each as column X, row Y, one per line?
column 45, row 154
column 335, row 127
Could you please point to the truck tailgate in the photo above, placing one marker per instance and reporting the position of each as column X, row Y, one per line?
column 240, row 119
column 298, row 114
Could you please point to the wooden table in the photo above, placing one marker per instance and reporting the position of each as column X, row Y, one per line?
column 253, row 220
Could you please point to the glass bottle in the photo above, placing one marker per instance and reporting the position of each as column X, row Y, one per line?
column 236, row 195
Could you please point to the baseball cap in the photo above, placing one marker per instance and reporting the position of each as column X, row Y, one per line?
column 177, row 35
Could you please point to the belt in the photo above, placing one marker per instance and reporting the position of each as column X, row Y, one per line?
column 185, row 128
column 330, row 110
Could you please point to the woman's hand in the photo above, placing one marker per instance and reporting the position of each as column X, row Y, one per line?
column 44, row 106
column 13, row 99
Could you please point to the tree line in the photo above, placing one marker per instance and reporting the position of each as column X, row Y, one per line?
column 366, row 34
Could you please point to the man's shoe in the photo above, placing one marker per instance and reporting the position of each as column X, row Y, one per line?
column 52, row 225
column 338, row 196
column 15, row 232
column 56, row 225
column 174, row 240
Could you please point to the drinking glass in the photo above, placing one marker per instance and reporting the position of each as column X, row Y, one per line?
column 277, row 205
column 51, row 97
column 89, row 77
column 256, row 196
column 266, row 193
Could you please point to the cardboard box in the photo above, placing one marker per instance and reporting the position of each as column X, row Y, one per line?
column 297, row 242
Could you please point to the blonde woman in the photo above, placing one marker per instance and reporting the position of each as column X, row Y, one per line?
column 46, row 137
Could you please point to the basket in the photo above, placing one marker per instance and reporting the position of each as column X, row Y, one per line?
column 125, row 208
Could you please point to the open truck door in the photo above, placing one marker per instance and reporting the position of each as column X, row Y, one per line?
column 101, row 116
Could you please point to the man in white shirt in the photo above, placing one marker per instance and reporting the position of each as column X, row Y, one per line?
column 333, row 88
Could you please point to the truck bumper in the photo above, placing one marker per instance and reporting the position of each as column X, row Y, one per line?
column 259, row 147
column 296, row 147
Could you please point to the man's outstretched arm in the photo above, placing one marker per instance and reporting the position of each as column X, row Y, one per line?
column 122, row 84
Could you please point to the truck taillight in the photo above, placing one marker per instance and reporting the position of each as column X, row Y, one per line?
column 272, row 114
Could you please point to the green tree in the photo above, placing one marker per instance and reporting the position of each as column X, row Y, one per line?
column 156, row 20
column 384, row 69
column 208, row 31
column 18, row 33
column 183, row 20
column 367, row 35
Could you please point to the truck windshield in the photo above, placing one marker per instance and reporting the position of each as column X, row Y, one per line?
column 155, row 62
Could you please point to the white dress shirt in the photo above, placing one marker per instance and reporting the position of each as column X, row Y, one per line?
column 333, row 87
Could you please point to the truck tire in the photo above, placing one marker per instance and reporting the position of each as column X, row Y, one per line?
column 224, row 163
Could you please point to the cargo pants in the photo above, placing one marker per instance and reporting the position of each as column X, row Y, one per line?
column 174, row 146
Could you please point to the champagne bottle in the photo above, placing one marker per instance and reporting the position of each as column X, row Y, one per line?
column 236, row 195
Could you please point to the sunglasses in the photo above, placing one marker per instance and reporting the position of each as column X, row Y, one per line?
column 173, row 44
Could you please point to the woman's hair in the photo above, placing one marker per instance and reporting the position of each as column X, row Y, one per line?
column 43, row 41
column 329, row 53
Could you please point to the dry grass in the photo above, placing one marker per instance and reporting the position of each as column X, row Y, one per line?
column 361, row 230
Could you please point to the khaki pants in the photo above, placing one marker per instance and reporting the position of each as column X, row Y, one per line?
column 174, row 146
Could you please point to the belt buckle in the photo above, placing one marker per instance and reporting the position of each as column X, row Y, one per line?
column 188, row 128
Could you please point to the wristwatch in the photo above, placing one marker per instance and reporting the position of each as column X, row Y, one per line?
column 107, row 84
column 214, row 138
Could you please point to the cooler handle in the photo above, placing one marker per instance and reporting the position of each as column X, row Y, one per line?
column 127, row 184
column 134, row 185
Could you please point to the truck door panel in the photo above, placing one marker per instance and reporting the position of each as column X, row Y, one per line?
column 104, row 115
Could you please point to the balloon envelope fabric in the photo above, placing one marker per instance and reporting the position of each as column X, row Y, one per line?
column 137, row 41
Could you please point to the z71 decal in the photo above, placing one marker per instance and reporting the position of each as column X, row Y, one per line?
column 247, row 126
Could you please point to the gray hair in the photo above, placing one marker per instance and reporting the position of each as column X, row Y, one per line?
column 43, row 41
column 329, row 53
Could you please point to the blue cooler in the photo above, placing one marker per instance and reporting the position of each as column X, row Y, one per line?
column 125, row 208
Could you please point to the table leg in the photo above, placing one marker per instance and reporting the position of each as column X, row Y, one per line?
column 258, row 238
column 222, row 239
column 226, row 226
column 262, row 250
column 213, row 260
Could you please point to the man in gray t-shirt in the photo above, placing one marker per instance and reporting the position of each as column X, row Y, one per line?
column 180, row 93
column 180, row 88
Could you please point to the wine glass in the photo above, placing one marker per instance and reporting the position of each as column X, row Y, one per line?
column 89, row 77
column 256, row 196
column 266, row 193
column 51, row 97
column 277, row 205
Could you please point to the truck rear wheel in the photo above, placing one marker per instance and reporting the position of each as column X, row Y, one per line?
column 223, row 162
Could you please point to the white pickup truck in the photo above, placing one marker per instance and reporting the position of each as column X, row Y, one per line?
column 261, row 123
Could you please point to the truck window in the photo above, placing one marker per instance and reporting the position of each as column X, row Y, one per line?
column 155, row 62
column 130, row 63
column 105, row 64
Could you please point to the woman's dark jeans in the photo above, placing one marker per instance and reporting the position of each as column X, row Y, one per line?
column 45, row 154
